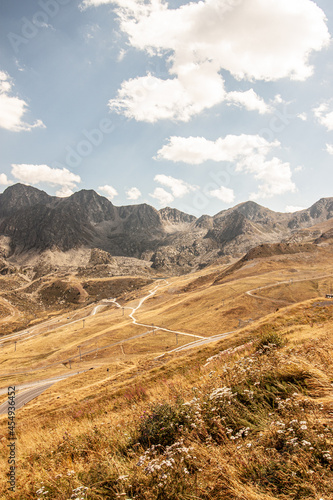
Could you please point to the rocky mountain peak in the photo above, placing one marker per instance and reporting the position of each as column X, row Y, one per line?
column 174, row 216
column 141, row 217
column 253, row 211
column 89, row 205
column 20, row 196
column 322, row 209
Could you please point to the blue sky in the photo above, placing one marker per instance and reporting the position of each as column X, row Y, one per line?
column 194, row 105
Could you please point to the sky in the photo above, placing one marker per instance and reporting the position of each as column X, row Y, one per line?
column 194, row 105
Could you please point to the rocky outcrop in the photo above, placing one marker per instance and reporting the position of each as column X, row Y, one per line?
column 99, row 257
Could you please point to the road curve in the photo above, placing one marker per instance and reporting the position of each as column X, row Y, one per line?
column 135, row 322
column 24, row 397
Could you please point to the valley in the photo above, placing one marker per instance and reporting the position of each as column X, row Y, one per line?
column 94, row 344
column 133, row 321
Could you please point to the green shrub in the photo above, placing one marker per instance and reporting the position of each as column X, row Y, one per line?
column 269, row 340
column 162, row 425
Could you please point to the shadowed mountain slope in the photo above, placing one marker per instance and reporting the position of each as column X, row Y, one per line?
column 33, row 221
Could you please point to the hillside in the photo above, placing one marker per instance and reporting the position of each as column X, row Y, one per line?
column 212, row 385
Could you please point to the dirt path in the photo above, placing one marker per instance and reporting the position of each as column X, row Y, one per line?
column 290, row 281
column 135, row 309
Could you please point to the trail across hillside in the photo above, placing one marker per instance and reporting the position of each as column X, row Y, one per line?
column 290, row 281
column 135, row 309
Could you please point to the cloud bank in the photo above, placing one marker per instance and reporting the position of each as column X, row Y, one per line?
column 251, row 39
column 36, row 174
column 249, row 154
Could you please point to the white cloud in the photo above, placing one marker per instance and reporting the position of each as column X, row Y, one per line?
column 4, row 180
column 222, row 193
column 303, row 117
column 274, row 176
column 291, row 208
column 64, row 192
column 249, row 153
column 298, row 169
column 250, row 100
column 93, row 3
column 162, row 196
column 150, row 99
column 109, row 191
column 121, row 55
column 133, row 193
column 329, row 149
column 35, row 174
column 252, row 39
column 278, row 99
column 12, row 109
column 324, row 114
column 196, row 150
column 179, row 188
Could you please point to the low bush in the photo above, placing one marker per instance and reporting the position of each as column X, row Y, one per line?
column 269, row 340
column 162, row 425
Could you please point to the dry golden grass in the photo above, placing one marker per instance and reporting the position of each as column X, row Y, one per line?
column 91, row 423
column 95, row 436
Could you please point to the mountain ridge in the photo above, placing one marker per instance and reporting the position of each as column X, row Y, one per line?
column 34, row 221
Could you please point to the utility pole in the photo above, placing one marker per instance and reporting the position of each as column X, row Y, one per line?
column 15, row 344
column 176, row 338
column 83, row 323
column 123, row 311
column 79, row 348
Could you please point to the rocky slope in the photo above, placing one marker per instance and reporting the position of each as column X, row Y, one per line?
column 34, row 222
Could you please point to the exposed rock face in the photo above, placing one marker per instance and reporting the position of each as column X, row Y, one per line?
column 247, row 225
column 174, row 216
column 33, row 221
column 99, row 257
column 20, row 197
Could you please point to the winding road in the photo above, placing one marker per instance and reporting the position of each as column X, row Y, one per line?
column 34, row 389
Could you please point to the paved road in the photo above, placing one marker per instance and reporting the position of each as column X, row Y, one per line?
column 198, row 343
column 24, row 397
column 50, row 325
column 28, row 385
column 32, row 390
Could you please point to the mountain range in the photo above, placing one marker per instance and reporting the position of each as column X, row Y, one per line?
column 31, row 221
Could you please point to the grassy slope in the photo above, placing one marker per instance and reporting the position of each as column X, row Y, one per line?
column 232, row 444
